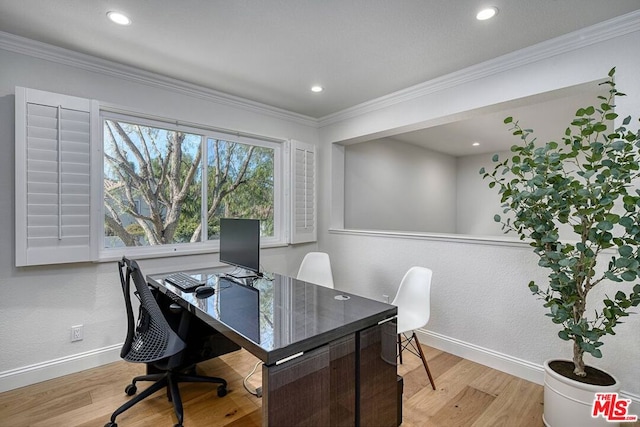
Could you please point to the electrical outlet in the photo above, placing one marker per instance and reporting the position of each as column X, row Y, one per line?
column 77, row 334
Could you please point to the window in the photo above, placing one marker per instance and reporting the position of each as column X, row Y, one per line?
column 93, row 184
column 170, row 185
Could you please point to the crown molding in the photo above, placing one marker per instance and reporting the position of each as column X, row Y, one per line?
column 606, row 30
column 36, row 49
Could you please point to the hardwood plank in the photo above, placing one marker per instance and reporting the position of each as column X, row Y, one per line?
column 88, row 398
column 520, row 404
column 427, row 402
column 492, row 382
column 464, row 408
column 417, row 377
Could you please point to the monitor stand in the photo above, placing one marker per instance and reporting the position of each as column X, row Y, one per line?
column 246, row 275
column 242, row 277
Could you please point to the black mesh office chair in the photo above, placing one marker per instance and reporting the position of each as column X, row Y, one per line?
column 154, row 342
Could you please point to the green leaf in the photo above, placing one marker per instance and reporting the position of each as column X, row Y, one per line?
column 508, row 120
column 600, row 127
column 625, row 251
column 482, row 172
column 605, row 226
column 629, row 276
column 496, row 218
column 609, row 275
column 618, row 145
column 495, row 158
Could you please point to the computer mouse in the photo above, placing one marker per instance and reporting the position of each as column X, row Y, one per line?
column 204, row 291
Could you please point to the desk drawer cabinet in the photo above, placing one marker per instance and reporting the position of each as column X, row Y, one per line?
column 351, row 381
column 378, row 376
column 315, row 389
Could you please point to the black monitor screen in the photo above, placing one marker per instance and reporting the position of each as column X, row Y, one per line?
column 240, row 243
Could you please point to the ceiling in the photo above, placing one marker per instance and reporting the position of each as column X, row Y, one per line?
column 547, row 114
column 273, row 51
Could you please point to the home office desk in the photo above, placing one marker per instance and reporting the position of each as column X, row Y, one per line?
column 329, row 357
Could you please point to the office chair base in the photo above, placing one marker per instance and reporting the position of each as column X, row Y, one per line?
column 170, row 381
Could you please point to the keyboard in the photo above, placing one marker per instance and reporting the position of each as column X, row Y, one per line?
column 184, row 281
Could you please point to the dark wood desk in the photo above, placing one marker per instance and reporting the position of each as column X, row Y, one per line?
column 329, row 356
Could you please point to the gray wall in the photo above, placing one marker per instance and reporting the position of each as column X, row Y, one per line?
column 392, row 185
column 476, row 203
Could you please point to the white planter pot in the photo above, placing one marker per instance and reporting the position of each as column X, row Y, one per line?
column 569, row 403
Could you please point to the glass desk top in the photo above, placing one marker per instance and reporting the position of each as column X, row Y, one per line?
column 276, row 316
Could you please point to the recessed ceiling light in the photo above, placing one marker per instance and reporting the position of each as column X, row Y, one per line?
column 119, row 18
column 317, row 88
column 475, row 144
column 487, row 13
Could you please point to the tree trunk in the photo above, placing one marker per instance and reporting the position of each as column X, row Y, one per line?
column 578, row 362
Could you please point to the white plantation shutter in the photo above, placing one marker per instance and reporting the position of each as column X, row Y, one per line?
column 53, row 178
column 303, row 175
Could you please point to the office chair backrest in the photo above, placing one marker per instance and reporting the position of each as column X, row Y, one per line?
column 413, row 299
column 152, row 339
column 316, row 268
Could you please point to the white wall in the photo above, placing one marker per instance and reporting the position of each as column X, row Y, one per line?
column 38, row 305
column 481, row 306
column 476, row 203
column 392, row 185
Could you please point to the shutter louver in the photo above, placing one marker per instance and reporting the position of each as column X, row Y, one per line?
column 303, row 227
column 53, row 159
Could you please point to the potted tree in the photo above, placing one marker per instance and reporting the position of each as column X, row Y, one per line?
column 576, row 201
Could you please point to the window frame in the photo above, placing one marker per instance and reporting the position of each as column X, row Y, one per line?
column 280, row 187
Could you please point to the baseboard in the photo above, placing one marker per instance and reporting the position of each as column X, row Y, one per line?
column 38, row 372
column 499, row 361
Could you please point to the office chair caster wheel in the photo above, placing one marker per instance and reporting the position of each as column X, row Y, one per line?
column 222, row 391
column 111, row 424
column 131, row 389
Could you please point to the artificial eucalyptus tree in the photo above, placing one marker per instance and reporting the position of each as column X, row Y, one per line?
column 587, row 182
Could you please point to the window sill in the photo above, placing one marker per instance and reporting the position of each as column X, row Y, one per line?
column 169, row 251
column 456, row 238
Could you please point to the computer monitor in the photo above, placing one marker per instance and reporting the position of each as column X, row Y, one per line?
column 240, row 243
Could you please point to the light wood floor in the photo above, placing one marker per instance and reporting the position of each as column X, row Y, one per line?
column 468, row 394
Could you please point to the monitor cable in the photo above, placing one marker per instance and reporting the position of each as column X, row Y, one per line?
column 258, row 391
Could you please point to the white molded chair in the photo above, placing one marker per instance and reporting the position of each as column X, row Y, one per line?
column 316, row 268
column 413, row 302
